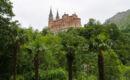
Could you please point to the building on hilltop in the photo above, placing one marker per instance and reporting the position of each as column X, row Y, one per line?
column 64, row 23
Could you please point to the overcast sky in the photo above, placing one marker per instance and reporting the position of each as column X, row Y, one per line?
column 35, row 12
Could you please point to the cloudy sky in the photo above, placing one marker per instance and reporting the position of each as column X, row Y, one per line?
column 35, row 12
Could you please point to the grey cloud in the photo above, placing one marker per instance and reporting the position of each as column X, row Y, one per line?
column 35, row 12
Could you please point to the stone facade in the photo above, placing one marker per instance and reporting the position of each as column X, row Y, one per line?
column 64, row 23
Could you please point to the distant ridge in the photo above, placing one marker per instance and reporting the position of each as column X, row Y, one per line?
column 122, row 19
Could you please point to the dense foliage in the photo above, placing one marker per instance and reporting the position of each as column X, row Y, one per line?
column 93, row 52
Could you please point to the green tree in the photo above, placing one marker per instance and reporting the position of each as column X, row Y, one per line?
column 37, row 46
column 100, row 44
column 45, row 31
column 112, row 65
column 71, row 43
column 6, row 8
column 6, row 15
column 57, row 74
column 98, row 41
column 26, row 56
column 120, row 42
column 18, row 39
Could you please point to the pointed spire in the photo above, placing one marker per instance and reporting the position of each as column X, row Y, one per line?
column 51, row 15
column 57, row 16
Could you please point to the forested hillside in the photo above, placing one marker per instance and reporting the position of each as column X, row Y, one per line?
column 92, row 52
column 121, row 19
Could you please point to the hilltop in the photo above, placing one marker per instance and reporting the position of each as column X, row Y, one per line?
column 121, row 19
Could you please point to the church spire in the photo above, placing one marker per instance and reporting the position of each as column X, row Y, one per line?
column 50, row 15
column 57, row 16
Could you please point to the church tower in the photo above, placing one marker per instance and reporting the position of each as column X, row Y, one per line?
column 63, row 23
column 50, row 21
column 57, row 16
column 50, row 16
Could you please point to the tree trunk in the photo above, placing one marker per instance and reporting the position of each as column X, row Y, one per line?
column 101, row 65
column 70, row 58
column 36, row 60
column 16, row 47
